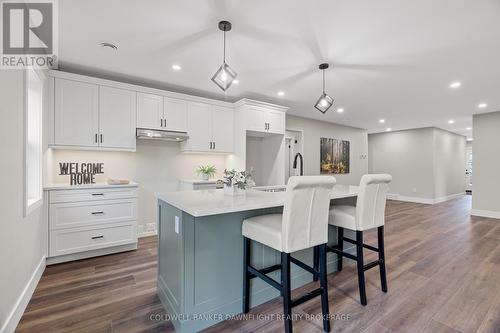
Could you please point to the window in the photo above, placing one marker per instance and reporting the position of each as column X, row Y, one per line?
column 33, row 140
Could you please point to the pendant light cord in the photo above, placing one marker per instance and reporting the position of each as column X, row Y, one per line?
column 323, row 81
column 224, row 48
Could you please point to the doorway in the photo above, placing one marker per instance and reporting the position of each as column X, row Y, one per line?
column 468, row 169
column 293, row 146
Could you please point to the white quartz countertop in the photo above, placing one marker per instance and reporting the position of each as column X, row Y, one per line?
column 213, row 202
column 52, row 187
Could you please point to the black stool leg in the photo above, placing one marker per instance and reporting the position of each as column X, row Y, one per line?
column 315, row 261
column 381, row 258
column 246, row 274
column 361, row 271
column 286, row 293
column 324, row 285
column 340, row 244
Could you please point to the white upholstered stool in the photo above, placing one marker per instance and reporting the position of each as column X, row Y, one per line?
column 369, row 213
column 303, row 224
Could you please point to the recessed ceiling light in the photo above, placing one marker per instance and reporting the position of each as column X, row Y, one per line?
column 108, row 45
column 470, row 139
column 482, row 105
column 388, row 129
column 236, row 81
column 176, row 67
column 468, row 128
column 381, row 121
column 281, row 93
column 455, row 85
column 451, row 121
column 340, row 110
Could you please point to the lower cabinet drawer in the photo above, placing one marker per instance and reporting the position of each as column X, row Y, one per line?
column 87, row 213
column 67, row 241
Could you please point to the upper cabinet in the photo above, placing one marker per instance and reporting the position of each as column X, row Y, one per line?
column 262, row 117
column 210, row 129
column 117, row 118
column 87, row 115
column 161, row 113
column 76, row 113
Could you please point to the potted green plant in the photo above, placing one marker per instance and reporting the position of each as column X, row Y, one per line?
column 206, row 171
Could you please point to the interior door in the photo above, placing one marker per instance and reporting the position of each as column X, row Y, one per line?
column 76, row 121
column 199, row 127
column 117, row 118
column 223, row 129
column 149, row 111
column 468, row 170
column 175, row 114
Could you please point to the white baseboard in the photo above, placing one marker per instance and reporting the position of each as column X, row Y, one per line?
column 428, row 201
column 485, row 213
column 449, row 197
column 23, row 300
column 147, row 233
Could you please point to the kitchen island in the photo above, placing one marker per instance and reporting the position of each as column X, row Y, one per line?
column 200, row 263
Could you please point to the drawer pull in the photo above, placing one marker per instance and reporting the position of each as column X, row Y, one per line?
column 97, row 213
column 98, row 237
column 96, row 194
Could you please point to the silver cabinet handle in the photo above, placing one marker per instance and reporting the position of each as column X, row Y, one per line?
column 214, row 144
column 97, row 237
column 95, row 194
column 164, row 122
column 96, row 138
column 97, row 213
column 101, row 138
column 161, row 122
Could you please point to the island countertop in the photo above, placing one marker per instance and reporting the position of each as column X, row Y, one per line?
column 212, row 202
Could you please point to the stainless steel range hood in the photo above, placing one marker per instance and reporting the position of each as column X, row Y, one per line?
column 144, row 133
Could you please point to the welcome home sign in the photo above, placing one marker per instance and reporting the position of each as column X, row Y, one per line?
column 80, row 173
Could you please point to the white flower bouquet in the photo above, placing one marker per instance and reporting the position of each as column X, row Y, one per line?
column 235, row 182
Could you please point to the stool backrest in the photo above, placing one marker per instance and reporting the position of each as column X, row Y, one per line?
column 370, row 206
column 305, row 213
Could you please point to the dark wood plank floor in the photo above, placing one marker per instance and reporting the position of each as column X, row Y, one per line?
column 443, row 274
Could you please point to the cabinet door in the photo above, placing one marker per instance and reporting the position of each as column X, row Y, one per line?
column 223, row 129
column 175, row 114
column 255, row 119
column 117, row 118
column 275, row 120
column 199, row 127
column 149, row 111
column 76, row 113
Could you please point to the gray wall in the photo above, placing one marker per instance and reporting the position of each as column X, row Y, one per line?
column 408, row 157
column 427, row 164
column 22, row 239
column 486, row 176
column 314, row 130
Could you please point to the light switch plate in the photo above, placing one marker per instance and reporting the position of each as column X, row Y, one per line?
column 176, row 224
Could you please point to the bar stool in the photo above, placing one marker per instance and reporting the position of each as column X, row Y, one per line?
column 369, row 213
column 303, row 224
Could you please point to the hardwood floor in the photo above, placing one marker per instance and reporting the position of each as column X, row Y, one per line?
column 443, row 270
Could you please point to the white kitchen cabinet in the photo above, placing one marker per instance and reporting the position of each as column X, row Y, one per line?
column 76, row 113
column 175, row 114
column 161, row 113
column 199, row 127
column 92, row 221
column 222, row 129
column 149, row 111
column 210, row 128
column 259, row 119
column 117, row 118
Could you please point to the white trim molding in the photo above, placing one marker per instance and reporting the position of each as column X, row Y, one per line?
column 23, row 300
column 485, row 213
column 428, row 201
column 147, row 234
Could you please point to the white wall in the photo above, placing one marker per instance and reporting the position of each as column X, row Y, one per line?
column 486, row 165
column 156, row 166
column 314, row 130
column 22, row 239
column 449, row 164
column 427, row 164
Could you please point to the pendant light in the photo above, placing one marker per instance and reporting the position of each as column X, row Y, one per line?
column 324, row 101
column 225, row 75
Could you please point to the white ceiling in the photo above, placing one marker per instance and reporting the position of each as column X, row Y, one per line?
column 392, row 59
